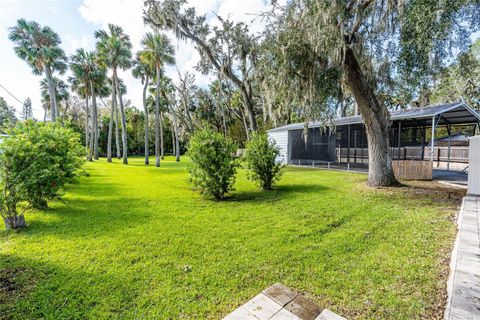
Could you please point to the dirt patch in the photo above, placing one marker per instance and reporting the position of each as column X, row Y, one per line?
column 15, row 283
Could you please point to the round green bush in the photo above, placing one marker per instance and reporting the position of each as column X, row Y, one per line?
column 213, row 167
column 40, row 158
column 261, row 158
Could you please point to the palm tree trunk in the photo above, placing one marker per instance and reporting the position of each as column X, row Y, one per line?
column 145, row 108
column 162, row 149
column 117, row 135
column 110, row 126
column 124, row 121
column 51, row 92
column 89, row 152
column 157, row 118
column 173, row 141
column 177, row 142
column 93, row 135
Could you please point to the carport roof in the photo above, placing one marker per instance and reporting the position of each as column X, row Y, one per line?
column 451, row 113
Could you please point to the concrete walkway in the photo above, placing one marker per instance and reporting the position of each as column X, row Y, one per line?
column 280, row 303
column 464, row 281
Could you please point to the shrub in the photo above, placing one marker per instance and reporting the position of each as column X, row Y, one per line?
column 214, row 165
column 11, row 198
column 40, row 159
column 260, row 157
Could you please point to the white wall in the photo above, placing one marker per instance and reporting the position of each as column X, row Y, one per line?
column 281, row 139
column 474, row 166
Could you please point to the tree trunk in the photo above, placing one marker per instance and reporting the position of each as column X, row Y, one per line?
column 145, row 108
column 222, row 107
column 117, row 135
column 124, row 121
column 188, row 116
column 250, row 109
column 376, row 119
column 157, row 118
column 14, row 222
column 173, row 142
column 110, row 126
column 94, row 123
column 87, row 136
column 177, row 144
column 176, row 149
column 51, row 93
column 162, row 149
column 93, row 134
column 245, row 125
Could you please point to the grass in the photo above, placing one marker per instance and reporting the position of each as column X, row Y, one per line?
column 134, row 242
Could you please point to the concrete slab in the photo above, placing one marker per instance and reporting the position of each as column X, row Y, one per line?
column 280, row 294
column 280, row 303
column 240, row 314
column 262, row 307
column 284, row 315
column 303, row 308
column 464, row 281
column 329, row 315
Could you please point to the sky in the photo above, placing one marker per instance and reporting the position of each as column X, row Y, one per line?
column 76, row 21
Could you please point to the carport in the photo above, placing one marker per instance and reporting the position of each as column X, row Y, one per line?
column 412, row 137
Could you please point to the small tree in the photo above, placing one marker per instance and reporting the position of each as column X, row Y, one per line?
column 40, row 158
column 260, row 156
column 214, row 165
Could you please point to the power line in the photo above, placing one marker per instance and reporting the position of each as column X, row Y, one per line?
column 11, row 94
column 21, row 103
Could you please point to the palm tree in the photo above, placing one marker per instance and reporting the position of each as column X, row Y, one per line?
column 114, row 51
column 40, row 48
column 157, row 52
column 102, row 90
column 168, row 94
column 79, row 85
column 61, row 94
column 144, row 72
column 121, row 91
column 86, row 69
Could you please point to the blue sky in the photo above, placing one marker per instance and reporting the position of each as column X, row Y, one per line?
column 63, row 17
column 76, row 20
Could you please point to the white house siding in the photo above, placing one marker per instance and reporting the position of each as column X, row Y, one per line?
column 281, row 139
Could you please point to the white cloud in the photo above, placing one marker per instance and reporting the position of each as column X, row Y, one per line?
column 129, row 15
column 71, row 43
column 244, row 11
column 17, row 77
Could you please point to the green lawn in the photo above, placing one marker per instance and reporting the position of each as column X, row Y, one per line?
column 134, row 242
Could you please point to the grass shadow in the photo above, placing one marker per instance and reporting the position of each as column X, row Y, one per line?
column 37, row 280
column 279, row 192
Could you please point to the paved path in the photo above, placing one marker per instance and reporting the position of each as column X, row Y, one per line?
column 280, row 303
column 464, row 281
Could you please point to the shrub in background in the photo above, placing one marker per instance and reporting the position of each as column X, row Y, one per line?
column 260, row 157
column 40, row 159
column 213, row 167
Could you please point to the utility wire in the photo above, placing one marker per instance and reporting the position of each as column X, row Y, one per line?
column 11, row 94
column 14, row 97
